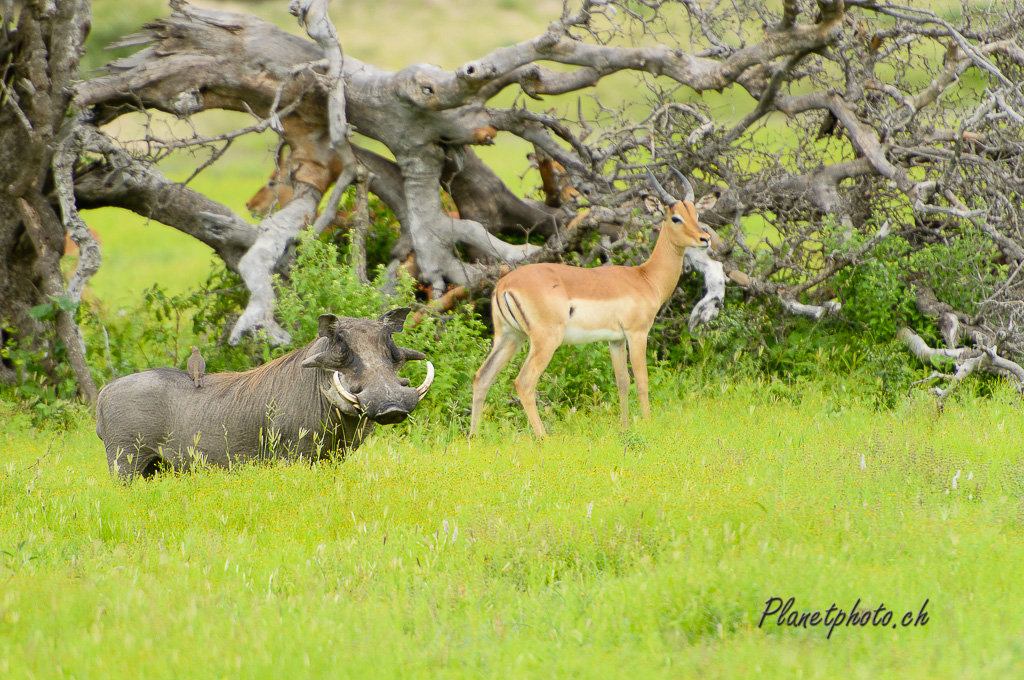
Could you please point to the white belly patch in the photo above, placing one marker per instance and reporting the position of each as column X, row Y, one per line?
column 580, row 336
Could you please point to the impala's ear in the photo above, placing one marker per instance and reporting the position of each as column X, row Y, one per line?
column 706, row 202
column 394, row 321
column 652, row 205
column 328, row 323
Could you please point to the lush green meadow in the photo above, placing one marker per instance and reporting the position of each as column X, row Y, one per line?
column 591, row 554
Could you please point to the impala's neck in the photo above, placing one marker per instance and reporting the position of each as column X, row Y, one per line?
column 664, row 266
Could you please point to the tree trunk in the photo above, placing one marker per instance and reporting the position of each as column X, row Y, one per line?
column 44, row 44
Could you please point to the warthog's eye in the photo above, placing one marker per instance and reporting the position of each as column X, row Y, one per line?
column 394, row 352
column 342, row 352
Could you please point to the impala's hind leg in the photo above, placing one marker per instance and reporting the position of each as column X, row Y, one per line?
column 541, row 350
column 505, row 347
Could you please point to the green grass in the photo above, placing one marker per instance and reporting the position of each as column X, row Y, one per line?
column 579, row 556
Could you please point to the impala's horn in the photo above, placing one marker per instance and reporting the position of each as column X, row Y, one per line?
column 665, row 197
column 686, row 185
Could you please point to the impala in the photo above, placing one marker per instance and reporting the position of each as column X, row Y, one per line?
column 555, row 304
column 280, row 188
column 554, row 180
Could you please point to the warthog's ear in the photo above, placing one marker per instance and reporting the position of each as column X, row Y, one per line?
column 315, row 361
column 316, row 358
column 394, row 321
column 328, row 322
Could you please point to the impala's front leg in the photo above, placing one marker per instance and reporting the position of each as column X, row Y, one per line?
column 618, row 348
column 638, row 357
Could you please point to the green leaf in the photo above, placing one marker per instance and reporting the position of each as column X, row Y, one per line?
column 66, row 304
column 41, row 311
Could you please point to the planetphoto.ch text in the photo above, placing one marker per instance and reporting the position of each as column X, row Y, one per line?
column 784, row 613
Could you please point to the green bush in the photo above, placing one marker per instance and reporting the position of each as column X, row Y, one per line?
column 856, row 354
column 47, row 388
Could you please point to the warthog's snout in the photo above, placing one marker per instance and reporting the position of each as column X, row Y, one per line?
column 390, row 414
column 379, row 402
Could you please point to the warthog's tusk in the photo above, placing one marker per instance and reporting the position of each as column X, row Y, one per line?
column 422, row 389
column 345, row 394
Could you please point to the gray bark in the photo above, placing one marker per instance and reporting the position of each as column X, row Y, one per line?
column 42, row 43
column 968, row 361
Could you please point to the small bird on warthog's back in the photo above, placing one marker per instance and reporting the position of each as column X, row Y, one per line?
column 196, row 366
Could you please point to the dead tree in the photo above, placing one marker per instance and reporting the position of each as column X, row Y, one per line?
column 862, row 157
column 37, row 208
column 428, row 118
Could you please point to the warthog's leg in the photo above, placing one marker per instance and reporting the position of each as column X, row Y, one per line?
column 135, row 460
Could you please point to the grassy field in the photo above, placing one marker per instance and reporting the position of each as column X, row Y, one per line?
column 591, row 554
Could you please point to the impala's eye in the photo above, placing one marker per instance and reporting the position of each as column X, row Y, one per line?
column 677, row 219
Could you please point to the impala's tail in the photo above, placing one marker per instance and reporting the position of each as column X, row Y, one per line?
column 511, row 310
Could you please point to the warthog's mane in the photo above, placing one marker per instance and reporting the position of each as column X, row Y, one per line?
column 281, row 376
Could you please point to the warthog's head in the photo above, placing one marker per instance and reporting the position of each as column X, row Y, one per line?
column 362, row 363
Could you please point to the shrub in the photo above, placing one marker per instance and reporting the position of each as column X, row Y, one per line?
column 47, row 388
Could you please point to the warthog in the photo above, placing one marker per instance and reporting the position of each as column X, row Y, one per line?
column 322, row 398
